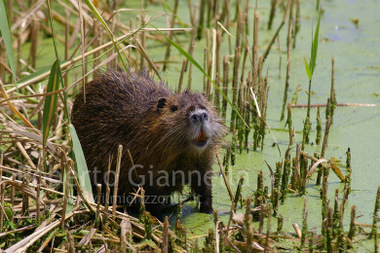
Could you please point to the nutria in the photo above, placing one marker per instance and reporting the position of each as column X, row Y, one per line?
column 172, row 137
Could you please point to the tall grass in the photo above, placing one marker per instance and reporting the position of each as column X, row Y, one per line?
column 309, row 68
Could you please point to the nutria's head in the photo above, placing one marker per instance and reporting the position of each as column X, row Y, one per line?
column 189, row 122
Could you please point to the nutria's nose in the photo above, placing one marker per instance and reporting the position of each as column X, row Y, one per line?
column 199, row 116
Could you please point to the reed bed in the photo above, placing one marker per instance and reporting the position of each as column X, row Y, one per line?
column 41, row 161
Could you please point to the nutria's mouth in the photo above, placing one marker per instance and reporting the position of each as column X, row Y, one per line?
column 201, row 139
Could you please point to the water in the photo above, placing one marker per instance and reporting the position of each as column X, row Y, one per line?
column 357, row 80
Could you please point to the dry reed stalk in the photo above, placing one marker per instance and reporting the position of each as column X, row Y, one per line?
column 246, row 19
column 237, row 10
column 18, row 230
column 170, row 34
column 326, row 164
column 245, row 56
column 143, row 54
column 215, row 10
column 116, row 64
column 62, row 19
column 375, row 216
column 191, row 14
column 239, row 28
column 280, row 223
column 275, row 186
column 336, row 215
column 318, row 128
column 210, row 58
column 226, row 70
column 272, row 13
column 269, row 214
column 27, row 13
column 205, row 62
column 329, row 230
column 99, row 200
column 277, row 32
column 213, row 55
column 259, row 69
column 181, row 76
column 340, row 231
column 209, row 7
column 25, row 200
column 108, row 190
column 225, row 10
column 89, row 205
column 279, row 57
column 26, row 156
column 201, row 19
column 297, row 230
column 289, row 39
column 143, row 37
column 83, row 45
column 264, row 92
column 227, row 23
column 247, row 215
column 39, row 182
column 289, row 123
column 241, row 107
column 74, row 34
column 34, row 34
column 66, row 169
column 295, row 177
column 325, row 137
column 234, row 202
column 2, row 63
column 19, row 53
column 304, row 224
column 297, row 25
column 235, row 83
column 324, row 206
column 255, row 55
column 116, row 182
column 71, row 62
column 191, row 49
column 9, row 5
column 332, row 91
column 224, row 177
column 351, row 232
column 218, row 78
column 97, row 41
column 67, row 35
column 12, row 193
column 165, row 236
column 25, row 243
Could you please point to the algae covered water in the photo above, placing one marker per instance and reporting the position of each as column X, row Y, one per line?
column 348, row 33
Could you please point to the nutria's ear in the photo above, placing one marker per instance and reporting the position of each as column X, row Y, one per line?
column 161, row 103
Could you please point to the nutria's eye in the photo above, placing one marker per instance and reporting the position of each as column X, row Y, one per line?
column 173, row 108
column 161, row 103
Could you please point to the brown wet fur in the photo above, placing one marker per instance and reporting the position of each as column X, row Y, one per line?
column 153, row 123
